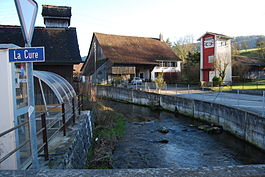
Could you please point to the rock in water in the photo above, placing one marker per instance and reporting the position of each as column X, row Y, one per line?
column 163, row 130
column 203, row 127
column 210, row 129
column 215, row 130
column 163, row 141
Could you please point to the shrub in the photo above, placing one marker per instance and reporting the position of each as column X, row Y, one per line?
column 217, row 79
column 160, row 83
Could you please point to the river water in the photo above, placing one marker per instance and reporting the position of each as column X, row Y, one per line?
column 144, row 146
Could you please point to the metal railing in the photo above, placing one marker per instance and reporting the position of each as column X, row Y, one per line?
column 48, row 129
column 17, row 148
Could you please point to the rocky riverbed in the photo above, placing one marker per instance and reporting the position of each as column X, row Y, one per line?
column 159, row 139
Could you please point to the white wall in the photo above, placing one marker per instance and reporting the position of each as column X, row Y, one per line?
column 7, row 142
column 224, row 52
column 159, row 69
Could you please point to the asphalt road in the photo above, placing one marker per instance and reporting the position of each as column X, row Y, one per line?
column 250, row 103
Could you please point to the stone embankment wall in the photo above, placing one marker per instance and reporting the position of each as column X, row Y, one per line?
column 231, row 171
column 247, row 126
column 76, row 156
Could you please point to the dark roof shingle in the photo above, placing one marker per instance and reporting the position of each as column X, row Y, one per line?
column 249, row 61
column 56, row 11
column 134, row 50
column 61, row 45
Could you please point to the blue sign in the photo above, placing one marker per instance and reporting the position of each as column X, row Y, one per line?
column 31, row 54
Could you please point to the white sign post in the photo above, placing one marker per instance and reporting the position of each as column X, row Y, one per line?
column 27, row 11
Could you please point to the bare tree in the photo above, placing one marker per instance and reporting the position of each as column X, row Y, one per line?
column 245, row 45
column 239, row 70
column 221, row 64
column 261, row 47
column 168, row 42
column 183, row 46
column 234, row 49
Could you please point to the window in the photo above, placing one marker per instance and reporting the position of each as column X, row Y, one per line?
column 210, row 59
column 21, row 85
column 23, row 136
column 222, row 43
column 173, row 64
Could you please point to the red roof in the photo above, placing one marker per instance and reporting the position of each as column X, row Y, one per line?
column 216, row 34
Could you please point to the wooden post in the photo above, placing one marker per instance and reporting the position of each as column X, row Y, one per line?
column 44, row 136
column 63, row 119
column 73, row 108
column 79, row 105
column 82, row 101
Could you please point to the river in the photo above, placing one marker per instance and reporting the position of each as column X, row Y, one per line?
column 144, row 146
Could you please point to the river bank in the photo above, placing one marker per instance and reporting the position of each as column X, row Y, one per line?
column 245, row 125
column 144, row 146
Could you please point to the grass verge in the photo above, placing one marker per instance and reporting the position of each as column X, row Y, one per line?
column 109, row 128
column 259, row 84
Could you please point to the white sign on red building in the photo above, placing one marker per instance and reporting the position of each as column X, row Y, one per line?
column 209, row 42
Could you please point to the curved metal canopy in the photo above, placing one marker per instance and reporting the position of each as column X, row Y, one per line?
column 61, row 87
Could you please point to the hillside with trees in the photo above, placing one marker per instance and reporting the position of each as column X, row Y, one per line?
column 188, row 52
column 247, row 42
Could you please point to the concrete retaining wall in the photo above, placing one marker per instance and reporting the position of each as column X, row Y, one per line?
column 247, row 126
column 252, row 92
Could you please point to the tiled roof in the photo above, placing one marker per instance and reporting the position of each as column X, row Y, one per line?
column 61, row 45
column 134, row 50
column 216, row 34
column 249, row 61
column 56, row 11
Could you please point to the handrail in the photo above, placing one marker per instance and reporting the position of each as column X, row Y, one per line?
column 48, row 110
column 68, row 114
column 15, row 150
column 14, row 128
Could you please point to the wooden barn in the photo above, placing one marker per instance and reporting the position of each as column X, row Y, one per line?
column 127, row 57
column 247, row 68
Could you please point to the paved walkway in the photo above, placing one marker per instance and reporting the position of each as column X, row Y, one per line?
column 250, row 103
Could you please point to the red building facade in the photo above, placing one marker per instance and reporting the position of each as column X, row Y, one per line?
column 213, row 46
column 208, row 51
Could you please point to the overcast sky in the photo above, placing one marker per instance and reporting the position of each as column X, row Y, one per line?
column 149, row 18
